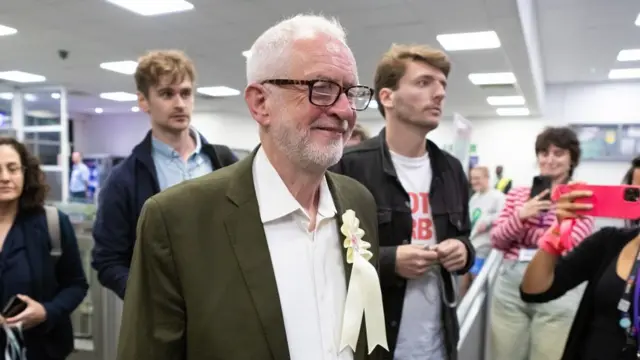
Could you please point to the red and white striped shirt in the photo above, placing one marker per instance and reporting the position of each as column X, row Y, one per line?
column 510, row 234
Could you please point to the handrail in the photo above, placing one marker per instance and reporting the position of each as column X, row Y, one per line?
column 490, row 267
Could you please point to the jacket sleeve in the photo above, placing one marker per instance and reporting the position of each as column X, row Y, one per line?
column 154, row 317
column 464, row 228
column 579, row 265
column 111, row 255
column 70, row 276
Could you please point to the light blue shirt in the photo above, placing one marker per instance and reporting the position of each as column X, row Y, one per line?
column 79, row 178
column 172, row 170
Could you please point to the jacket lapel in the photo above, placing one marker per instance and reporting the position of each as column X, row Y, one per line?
column 246, row 233
column 342, row 205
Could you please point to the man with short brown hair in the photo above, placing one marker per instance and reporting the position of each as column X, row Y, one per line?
column 422, row 196
column 358, row 135
column 171, row 152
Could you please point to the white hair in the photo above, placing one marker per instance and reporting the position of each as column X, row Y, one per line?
column 269, row 52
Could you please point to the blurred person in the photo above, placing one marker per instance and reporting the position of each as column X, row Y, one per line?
column 484, row 207
column 255, row 268
column 51, row 287
column 608, row 262
column 171, row 152
column 502, row 183
column 422, row 198
column 521, row 331
column 79, row 180
column 359, row 135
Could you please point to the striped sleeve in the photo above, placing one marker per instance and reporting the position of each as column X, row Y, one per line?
column 582, row 229
column 508, row 227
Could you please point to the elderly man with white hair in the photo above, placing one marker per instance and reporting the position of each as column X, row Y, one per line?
column 273, row 257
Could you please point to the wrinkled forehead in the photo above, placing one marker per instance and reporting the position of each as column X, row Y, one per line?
column 323, row 57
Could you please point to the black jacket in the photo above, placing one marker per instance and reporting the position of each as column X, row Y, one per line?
column 126, row 189
column 586, row 262
column 370, row 163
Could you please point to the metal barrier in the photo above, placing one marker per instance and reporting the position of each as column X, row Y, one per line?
column 473, row 311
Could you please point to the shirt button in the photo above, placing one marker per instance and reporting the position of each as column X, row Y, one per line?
column 394, row 323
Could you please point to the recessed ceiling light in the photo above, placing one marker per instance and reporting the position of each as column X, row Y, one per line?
column 135, row 109
column 513, row 111
column 153, row 7
column 127, row 67
column 21, row 76
column 30, row 97
column 492, row 78
column 373, row 105
column 629, row 55
column 98, row 110
column 55, row 96
column 246, row 53
column 505, row 100
column 638, row 20
column 119, row 96
column 5, row 30
column 218, row 91
column 469, row 41
column 6, row 96
column 632, row 73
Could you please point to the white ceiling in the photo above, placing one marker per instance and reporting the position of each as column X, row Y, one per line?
column 580, row 39
column 216, row 33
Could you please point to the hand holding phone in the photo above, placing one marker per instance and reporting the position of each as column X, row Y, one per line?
column 13, row 307
column 535, row 205
column 617, row 201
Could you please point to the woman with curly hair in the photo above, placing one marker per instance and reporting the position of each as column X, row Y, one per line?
column 38, row 291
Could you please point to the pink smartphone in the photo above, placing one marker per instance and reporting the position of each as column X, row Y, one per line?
column 609, row 201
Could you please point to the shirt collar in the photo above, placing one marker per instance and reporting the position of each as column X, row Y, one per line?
column 166, row 150
column 274, row 199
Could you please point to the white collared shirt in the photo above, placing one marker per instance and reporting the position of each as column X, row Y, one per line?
column 308, row 265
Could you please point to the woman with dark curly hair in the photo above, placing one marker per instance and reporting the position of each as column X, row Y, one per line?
column 38, row 289
column 522, row 331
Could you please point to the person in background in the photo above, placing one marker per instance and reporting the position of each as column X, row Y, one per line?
column 422, row 196
column 502, row 183
column 484, row 207
column 359, row 135
column 79, row 181
column 247, row 263
column 521, row 331
column 52, row 287
column 171, row 152
column 608, row 262
column 632, row 177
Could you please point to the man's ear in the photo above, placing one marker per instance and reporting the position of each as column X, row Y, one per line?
column 255, row 97
column 143, row 103
column 386, row 97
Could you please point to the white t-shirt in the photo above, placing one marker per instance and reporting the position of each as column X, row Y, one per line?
column 420, row 336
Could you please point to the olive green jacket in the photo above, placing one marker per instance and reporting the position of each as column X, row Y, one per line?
column 201, row 285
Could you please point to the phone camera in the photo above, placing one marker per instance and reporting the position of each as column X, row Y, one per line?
column 631, row 194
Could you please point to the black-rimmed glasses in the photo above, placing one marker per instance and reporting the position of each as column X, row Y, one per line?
column 326, row 92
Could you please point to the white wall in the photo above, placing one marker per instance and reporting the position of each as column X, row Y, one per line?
column 508, row 142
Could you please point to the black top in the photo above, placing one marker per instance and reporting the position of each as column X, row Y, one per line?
column 606, row 337
column 595, row 333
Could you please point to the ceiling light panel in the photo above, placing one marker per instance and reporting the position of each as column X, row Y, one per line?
column 492, row 78
column 631, row 73
column 21, row 77
column 522, row 111
column 6, row 96
column 505, row 100
column 98, row 110
column 5, row 30
column 469, row 41
column 119, row 96
column 218, row 91
column 629, row 55
column 638, row 20
column 153, row 7
column 127, row 67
